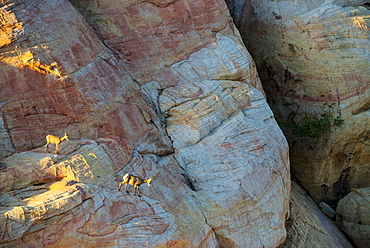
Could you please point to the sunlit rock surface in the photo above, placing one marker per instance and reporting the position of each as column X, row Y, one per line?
column 309, row 53
column 76, row 201
column 226, row 141
column 161, row 89
column 353, row 216
column 308, row 226
column 57, row 76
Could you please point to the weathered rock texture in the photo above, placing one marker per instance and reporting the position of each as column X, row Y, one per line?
column 75, row 202
column 161, row 89
column 309, row 53
column 353, row 216
column 57, row 76
column 308, row 226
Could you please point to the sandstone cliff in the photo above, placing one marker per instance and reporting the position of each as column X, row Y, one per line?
column 313, row 60
column 161, row 89
column 311, row 54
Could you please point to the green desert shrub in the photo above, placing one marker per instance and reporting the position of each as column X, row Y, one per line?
column 314, row 125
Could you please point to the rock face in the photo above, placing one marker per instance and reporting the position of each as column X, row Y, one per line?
column 353, row 216
column 161, row 89
column 76, row 202
column 308, row 226
column 309, row 53
column 62, row 78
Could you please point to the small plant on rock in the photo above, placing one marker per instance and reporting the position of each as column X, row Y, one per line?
column 316, row 124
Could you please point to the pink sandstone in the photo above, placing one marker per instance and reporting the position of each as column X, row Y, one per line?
column 161, row 89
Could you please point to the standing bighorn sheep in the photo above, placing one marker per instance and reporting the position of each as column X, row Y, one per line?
column 55, row 140
column 135, row 181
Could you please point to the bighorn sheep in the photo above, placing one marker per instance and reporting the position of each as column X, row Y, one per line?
column 135, row 181
column 55, row 140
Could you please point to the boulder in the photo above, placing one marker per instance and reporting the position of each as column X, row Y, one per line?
column 328, row 210
column 353, row 216
column 308, row 226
